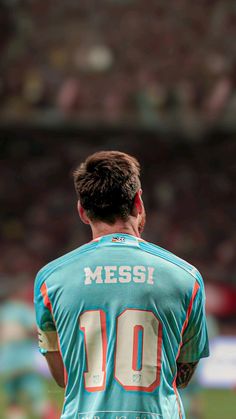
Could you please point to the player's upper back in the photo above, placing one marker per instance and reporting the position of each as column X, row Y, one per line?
column 119, row 262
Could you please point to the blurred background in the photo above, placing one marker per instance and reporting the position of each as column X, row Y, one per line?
column 156, row 79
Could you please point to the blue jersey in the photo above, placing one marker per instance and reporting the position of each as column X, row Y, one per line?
column 124, row 312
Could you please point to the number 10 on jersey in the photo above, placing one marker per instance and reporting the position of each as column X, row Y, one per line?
column 137, row 349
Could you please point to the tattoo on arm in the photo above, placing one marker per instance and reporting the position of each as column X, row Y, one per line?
column 184, row 373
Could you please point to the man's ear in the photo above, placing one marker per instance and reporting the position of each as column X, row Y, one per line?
column 82, row 213
column 138, row 204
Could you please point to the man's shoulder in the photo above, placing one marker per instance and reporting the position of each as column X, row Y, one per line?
column 62, row 262
column 174, row 260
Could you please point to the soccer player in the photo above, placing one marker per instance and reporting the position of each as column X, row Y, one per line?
column 23, row 388
column 121, row 321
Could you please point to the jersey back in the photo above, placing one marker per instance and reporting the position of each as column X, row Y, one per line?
column 124, row 311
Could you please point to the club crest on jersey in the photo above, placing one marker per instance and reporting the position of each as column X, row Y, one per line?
column 119, row 274
column 118, row 239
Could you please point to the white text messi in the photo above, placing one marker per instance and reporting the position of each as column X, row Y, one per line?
column 119, row 274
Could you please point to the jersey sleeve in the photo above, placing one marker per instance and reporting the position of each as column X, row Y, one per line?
column 47, row 334
column 195, row 337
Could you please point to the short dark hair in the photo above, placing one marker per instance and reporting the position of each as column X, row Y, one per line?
column 106, row 184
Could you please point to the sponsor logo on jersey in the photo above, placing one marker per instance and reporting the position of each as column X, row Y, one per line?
column 121, row 415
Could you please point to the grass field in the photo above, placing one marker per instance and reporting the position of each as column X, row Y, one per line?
column 219, row 404
column 216, row 404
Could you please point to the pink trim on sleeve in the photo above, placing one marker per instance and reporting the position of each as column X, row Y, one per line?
column 48, row 304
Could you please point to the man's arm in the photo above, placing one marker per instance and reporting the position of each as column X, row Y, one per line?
column 185, row 372
column 194, row 345
column 47, row 333
column 48, row 345
column 56, row 367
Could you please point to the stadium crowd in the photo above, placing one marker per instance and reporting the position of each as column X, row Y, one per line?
column 118, row 60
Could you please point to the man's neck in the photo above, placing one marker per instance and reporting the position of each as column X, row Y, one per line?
column 102, row 229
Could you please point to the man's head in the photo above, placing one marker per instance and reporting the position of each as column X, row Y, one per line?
column 108, row 188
